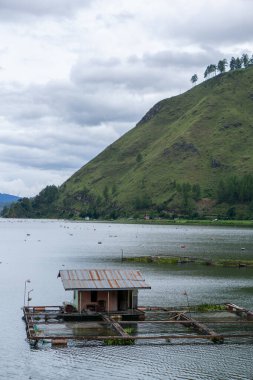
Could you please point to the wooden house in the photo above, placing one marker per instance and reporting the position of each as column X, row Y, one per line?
column 107, row 290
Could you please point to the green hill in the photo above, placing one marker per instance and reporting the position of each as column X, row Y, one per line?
column 189, row 155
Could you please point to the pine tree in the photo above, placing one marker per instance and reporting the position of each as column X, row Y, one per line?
column 238, row 63
column 222, row 65
column 194, row 78
column 232, row 64
column 245, row 60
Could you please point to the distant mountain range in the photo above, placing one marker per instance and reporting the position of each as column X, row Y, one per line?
column 6, row 199
column 190, row 155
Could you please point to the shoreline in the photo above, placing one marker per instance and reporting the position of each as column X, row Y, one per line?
column 182, row 222
column 163, row 222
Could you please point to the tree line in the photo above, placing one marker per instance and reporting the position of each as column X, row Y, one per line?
column 236, row 189
column 235, row 64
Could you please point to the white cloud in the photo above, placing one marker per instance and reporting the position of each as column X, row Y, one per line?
column 75, row 75
column 13, row 8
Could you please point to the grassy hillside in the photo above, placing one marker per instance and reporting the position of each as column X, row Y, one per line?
column 173, row 160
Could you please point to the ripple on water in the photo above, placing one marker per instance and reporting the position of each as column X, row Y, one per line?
column 40, row 261
column 137, row 362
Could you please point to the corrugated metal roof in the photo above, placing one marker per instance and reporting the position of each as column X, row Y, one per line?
column 102, row 279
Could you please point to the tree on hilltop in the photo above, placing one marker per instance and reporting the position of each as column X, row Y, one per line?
column 245, row 60
column 210, row 70
column 194, row 78
column 232, row 63
column 206, row 73
column 238, row 63
column 222, row 64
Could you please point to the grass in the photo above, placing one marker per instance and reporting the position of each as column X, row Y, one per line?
column 188, row 259
column 208, row 307
column 152, row 259
column 119, row 341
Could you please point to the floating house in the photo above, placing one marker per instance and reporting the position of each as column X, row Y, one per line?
column 110, row 297
column 104, row 290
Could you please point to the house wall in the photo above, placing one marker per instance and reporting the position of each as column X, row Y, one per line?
column 75, row 298
column 84, row 300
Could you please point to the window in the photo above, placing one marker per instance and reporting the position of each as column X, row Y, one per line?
column 93, row 296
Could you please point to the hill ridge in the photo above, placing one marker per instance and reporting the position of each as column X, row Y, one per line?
column 177, row 155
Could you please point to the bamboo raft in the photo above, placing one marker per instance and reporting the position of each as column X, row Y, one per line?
column 36, row 316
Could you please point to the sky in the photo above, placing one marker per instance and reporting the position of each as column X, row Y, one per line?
column 76, row 75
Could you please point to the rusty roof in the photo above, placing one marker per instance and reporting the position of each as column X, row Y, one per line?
column 102, row 279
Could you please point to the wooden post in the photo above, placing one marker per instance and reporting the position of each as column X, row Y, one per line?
column 79, row 301
column 108, row 300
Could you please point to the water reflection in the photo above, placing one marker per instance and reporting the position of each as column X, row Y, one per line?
column 38, row 249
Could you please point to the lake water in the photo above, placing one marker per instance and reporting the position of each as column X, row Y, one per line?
column 36, row 250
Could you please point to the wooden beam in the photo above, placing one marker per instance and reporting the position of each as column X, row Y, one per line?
column 202, row 328
column 115, row 325
column 237, row 322
column 142, row 337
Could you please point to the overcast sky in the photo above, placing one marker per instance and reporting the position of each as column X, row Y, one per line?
column 77, row 74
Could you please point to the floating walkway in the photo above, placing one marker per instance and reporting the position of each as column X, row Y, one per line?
column 241, row 311
column 41, row 321
column 199, row 327
column 116, row 326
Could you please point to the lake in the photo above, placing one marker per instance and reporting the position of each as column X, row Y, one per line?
column 37, row 250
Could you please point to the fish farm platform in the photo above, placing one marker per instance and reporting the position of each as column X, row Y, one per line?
column 50, row 324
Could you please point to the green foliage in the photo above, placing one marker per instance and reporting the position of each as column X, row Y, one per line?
column 232, row 64
column 189, row 260
column 189, row 194
column 222, row 65
column 114, row 189
column 106, row 192
column 121, row 342
column 231, row 213
column 238, row 63
column 20, row 209
column 245, row 60
column 139, row 157
column 46, row 196
column 196, row 192
column 129, row 330
column 211, row 69
column 153, row 259
column 235, row 189
column 33, row 207
column 194, row 78
column 208, row 307
column 142, row 201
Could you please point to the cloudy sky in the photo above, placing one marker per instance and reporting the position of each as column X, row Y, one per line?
column 77, row 74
